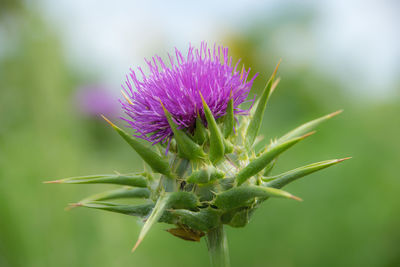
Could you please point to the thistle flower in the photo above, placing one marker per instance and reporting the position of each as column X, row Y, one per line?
column 206, row 71
column 210, row 176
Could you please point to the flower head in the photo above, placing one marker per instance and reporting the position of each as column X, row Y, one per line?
column 178, row 87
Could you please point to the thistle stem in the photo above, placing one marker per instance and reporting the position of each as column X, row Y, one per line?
column 217, row 244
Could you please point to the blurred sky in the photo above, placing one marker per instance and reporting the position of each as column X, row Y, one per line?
column 359, row 41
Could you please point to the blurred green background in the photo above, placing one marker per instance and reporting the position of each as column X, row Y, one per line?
column 351, row 212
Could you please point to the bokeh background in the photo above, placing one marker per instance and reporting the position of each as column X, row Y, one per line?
column 62, row 63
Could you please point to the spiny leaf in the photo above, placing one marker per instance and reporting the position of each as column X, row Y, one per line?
column 229, row 120
column 256, row 120
column 305, row 128
column 187, row 148
column 119, row 193
column 155, row 161
column 265, row 158
column 283, row 179
column 240, row 196
column 217, row 147
column 136, row 180
column 141, row 210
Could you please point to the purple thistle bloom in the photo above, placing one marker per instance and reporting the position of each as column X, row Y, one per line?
column 177, row 87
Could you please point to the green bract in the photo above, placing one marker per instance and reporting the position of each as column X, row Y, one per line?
column 210, row 176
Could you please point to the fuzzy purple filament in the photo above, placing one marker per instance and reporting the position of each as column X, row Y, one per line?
column 177, row 86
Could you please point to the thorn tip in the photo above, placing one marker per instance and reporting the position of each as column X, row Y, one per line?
column 107, row 120
column 202, row 98
column 343, row 159
column 162, row 105
column 126, row 97
column 277, row 66
column 72, row 205
column 333, row 114
column 136, row 245
column 308, row 134
column 296, row 198
column 275, row 84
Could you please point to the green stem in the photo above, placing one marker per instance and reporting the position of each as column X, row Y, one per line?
column 217, row 244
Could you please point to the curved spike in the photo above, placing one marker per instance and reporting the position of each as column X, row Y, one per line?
column 265, row 158
column 283, row 179
column 155, row 215
column 118, row 193
column 239, row 196
column 175, row 200
column 141, row 210
column 121, row 179
column 304, row 128
column 153, row 159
